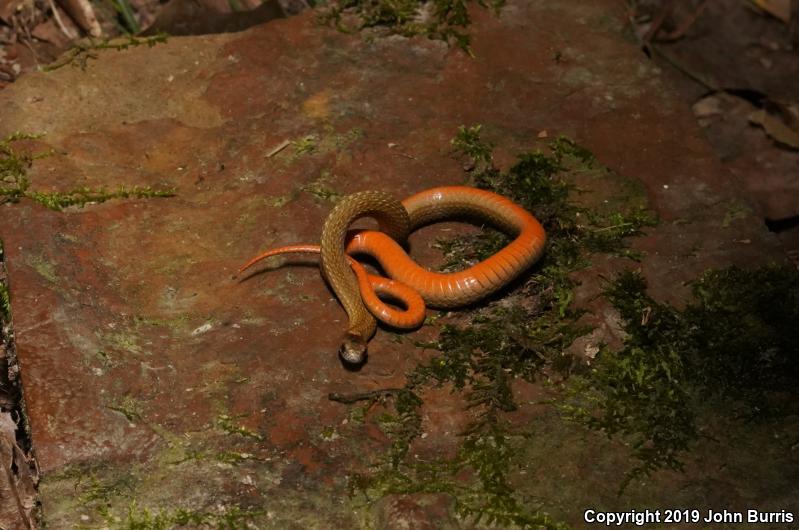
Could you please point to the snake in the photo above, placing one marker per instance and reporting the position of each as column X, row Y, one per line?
column 409, row 284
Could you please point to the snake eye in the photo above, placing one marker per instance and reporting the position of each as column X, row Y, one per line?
column 352, row 351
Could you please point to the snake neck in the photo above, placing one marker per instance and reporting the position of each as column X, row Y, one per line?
column 394, row 220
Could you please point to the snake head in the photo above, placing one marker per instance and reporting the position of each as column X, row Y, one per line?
column 352, row 350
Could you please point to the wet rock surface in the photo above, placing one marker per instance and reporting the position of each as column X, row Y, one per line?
column 155, row 381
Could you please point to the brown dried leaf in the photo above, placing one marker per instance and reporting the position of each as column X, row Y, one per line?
column 49, row 31
column 17, row 490
column 776, row 128
column 780, row 9
column 8, row 8
column 82, row 13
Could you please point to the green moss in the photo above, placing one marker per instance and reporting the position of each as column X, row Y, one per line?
column 14, row 167
column 122, row 341
column 44, row 267
column 83, row 196
column 444, row 20
column 329, row 434
column 15, row 185
column 138, row 517
column 327, row 141
column 82, row 51
column 305, row 145
column 228, row 425
column 104, row 359
column 93, row 489
column 128, row 406
column 638, row 392
column 103, row 494
column 281, row 200
column 342, row 142
column 320, row 189
column 498, row 343
column 486, row 454
column 736, row 343
column 232, row 457
column 489, row 452
column 468, row 142
column 5, row 302
column 180, row 322
column 745, row 339
column 735, row 211
column 231, row 517
column 564, row 147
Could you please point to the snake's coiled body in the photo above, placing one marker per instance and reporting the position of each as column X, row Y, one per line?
column 356, row 289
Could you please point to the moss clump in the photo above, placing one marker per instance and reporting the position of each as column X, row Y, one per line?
column 305, row 145
column 228, row 425
column 82, row 51
column 93, row 489
column 319, row 188
column 745, row 337
column 486, row 453
column 638, row 392
column 144, row 519
column 444, row 20
column 14, row 182
column 83, row 196
column 14, row 167
column 737, row 342
column 498, row 344
column 128, row 406
column 44, row 267
column 5, row 301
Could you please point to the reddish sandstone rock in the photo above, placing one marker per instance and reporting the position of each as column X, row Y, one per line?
column 151, row 376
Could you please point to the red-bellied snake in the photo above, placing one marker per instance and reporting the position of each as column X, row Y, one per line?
column 412, row 285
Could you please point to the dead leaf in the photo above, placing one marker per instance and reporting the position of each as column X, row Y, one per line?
column 776, row 128
column 8, row 8
column 82, row 13
column 17, row 489
column 48, row 31
column 780, row 9
column 64, row 21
